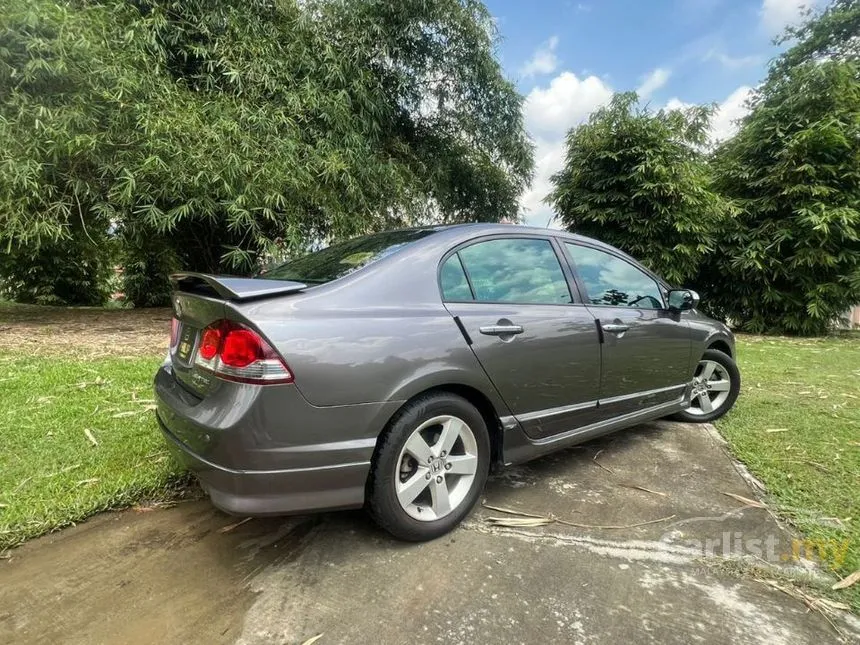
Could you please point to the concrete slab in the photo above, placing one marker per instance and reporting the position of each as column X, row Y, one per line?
column 170, row 576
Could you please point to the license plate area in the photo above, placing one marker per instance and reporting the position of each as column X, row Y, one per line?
column 187, row 340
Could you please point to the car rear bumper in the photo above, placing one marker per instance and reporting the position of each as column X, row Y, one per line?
column 274, row 492
column 264, row 450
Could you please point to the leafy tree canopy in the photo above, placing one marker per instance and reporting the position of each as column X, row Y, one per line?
column 791, row 261
column 224, row 131
column 638, row 180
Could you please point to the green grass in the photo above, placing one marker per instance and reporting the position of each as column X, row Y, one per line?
column 51, row 473
column 796, row 427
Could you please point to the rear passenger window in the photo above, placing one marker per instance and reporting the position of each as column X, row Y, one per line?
column 517, row 270
column 455, row 287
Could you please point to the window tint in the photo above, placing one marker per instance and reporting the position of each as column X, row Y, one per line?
column 515, row 270
column 455, row 287
column 342, row 259
column 609, row 280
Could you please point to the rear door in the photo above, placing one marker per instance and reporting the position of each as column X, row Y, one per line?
column 646, row 349
column 539, row 346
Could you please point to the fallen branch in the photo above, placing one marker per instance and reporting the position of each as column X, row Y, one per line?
column 821, row 605
column 511, row 511
column 313, row 640
column 530, row 519
column 745, row 500
column 230, row 527
column 647, row 490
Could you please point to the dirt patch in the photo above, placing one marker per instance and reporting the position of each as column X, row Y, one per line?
column 85, row 333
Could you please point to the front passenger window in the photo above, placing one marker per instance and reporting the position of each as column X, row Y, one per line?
column 611, row 281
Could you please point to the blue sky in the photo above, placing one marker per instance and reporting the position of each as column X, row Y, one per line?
column 568, row 56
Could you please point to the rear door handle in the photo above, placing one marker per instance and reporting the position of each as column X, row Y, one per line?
column 612, row 328
column 501, row 330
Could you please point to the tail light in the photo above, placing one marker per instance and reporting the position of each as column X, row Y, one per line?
column 236, row 353
column 174, row 332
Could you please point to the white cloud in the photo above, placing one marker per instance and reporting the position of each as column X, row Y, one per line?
column 776, row 15
column 724, row 121
column 543, row 61
column 731, row 62
column 549, row 113
column 653, row 82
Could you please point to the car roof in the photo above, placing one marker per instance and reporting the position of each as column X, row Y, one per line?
column 489, row 228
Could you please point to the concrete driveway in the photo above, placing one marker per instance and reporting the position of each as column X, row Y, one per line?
column 174, row 576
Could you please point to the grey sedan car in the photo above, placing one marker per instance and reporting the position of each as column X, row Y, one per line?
column 391, row 371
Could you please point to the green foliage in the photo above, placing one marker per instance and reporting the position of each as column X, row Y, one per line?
column 833, row 34
column 73, row 271
column 234, row 130
column 790, row 263
column 639, row 181
column 147, row 262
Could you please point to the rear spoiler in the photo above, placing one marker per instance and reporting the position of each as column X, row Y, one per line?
column 231, row 288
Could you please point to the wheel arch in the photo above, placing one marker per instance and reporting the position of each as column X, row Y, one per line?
column 721, row 346
column 474, row 396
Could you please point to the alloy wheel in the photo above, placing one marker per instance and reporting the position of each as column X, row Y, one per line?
column 436, row 468
column 711, row 386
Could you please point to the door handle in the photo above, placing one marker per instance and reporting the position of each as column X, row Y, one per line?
column 613, row 328
column 501, row 330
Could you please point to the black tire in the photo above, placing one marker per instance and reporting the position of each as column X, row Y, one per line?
column 734, row 375
column 382, row 501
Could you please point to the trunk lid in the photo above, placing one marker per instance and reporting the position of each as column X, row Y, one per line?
column 201, row 299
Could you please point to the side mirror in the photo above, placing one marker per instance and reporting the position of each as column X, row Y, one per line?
column 682, row 299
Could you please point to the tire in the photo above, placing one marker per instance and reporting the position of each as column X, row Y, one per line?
column 396, row 472
column 721, row 401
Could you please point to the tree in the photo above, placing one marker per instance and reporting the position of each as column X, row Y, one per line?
column 638, row 180
column 790, row 263
column 209, row 133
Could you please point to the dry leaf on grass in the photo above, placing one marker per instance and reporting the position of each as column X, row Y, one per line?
column 313, row 639
column 847, row 581
column 746, row 500
column 90, row 436
column 61, row 471
column 777, row 430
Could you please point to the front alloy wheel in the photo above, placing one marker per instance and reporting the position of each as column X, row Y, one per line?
column 715, row 387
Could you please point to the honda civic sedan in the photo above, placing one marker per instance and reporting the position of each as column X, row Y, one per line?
column 392, row 371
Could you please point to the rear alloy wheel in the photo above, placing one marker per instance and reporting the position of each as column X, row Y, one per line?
column 715, row 387
column 430, row 468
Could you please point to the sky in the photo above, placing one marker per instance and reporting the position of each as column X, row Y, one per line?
column 568, row 56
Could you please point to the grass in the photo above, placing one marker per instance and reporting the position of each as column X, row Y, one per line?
column 51, row 472
column 796, row 427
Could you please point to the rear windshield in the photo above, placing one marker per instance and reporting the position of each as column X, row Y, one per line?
column 342, row 259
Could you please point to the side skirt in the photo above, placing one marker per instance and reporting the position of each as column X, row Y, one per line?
column 518, row 447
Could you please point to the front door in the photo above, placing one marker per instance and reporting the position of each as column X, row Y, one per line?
column 539, row 348
column 646, row 349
